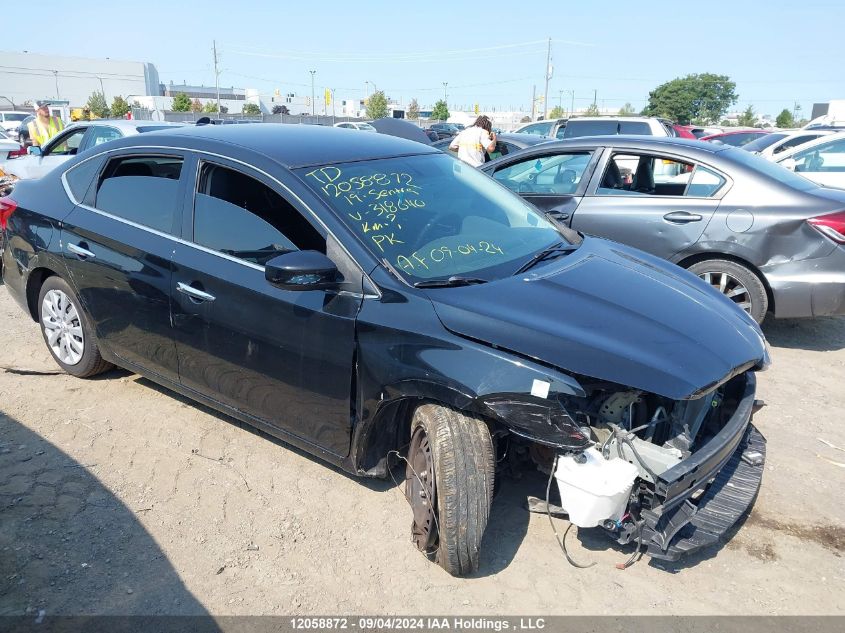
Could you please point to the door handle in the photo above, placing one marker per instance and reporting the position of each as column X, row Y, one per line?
column 79, row 251
column 682, row 217
column 194, row 293
column 558, row 215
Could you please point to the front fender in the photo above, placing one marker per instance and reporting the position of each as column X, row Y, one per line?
column 398, row 369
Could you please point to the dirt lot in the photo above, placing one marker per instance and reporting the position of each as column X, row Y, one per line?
column 117, row 496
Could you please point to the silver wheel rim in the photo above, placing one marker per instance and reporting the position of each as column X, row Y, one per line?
column 729, row 286
column 62, row 327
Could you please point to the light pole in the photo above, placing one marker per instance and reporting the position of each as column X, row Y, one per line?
column 445, row 100
column 333, row 115
column 102, row 90
column 313, row 72
column 56, row 75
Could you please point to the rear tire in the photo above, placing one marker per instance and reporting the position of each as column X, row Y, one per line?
column 459, row 452
column 737, row 282
column 67, row 331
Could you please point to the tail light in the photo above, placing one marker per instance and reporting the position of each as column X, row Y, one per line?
column 18, row 152
column 832, row 225
column 7, row 208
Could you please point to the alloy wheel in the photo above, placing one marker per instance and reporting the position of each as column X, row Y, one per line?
column 729, row 286
column 62, row 327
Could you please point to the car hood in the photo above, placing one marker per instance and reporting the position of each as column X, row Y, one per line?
column 613, row 313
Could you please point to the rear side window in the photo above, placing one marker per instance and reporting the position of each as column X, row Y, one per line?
column 242, row 217
column 142, row 189
column 79, row 178
column 590, row 128
column 635, row 127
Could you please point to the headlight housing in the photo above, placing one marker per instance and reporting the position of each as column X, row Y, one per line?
column 542, row 420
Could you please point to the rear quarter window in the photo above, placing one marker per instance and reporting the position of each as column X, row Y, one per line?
column 79, row 178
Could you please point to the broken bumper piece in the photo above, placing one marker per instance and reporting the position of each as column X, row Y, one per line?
column 695, row 524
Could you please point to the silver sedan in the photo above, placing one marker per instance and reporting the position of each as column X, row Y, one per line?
column 768, row 238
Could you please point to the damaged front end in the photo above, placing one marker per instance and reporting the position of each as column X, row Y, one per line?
column 673, row 475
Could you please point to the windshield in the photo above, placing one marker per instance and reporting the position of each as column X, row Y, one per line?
column 432, row 216
column 768, row 168
column 758, row 145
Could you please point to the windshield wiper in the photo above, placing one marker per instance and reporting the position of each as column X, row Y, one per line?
column 546, row 253
column 449, row 282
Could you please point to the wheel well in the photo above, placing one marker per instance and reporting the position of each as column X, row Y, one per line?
column 701, row 257
column 391, row 431
column 34, row 282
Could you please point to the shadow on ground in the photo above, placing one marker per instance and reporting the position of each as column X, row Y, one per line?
column 823, row 334
column 68, row 546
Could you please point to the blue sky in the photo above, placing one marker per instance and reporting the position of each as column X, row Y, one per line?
column 490, row 53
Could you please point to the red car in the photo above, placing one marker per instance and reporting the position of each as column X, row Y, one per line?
column 736, row 138
column 689, row 131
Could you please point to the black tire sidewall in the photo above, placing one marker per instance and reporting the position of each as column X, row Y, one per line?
column 91, row 358
column 753, row 283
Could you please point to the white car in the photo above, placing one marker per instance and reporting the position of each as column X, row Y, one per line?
column 9, row 149
column 771, row 146
column 822, row 160
column 355, row 125
column 11, row 119
column 76, row 138
column 612, row 125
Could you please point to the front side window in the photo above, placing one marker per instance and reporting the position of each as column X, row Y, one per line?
column 242, row 217
column 540, row 129
column 141, row 189
column 558, row 174
column 826, row 157
column 430, row 216
column 67, row 144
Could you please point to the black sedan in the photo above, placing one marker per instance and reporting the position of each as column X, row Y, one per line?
column 770, row 240
column 369, row 299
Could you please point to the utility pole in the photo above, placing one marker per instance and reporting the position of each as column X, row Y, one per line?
column 560, row 100
column 445, row 100
column 533, row 101
column 548, row 76
column 216, row 75
column 56, row 74
column 313, row 72
column 595, row 94
column 572, row 105
column 333, row 110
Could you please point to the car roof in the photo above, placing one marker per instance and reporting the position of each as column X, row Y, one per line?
column 822, row 140
column 748, row 130
column 638, row 142
column 296, row 145
column 519, row 137
column 612, row 118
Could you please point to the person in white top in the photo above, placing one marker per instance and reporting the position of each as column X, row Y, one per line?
column 472, row 142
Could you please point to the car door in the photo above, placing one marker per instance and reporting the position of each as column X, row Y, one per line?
column 823, row 163
column 553, row 181
column 283, row 357
column 657, row 202
column 118, row 244
column 58, row 150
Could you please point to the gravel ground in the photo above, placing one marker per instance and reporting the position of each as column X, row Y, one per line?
column 119, row 497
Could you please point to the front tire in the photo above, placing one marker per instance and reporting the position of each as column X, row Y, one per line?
column 67, row 331
column 737, row 282
column 449, row 484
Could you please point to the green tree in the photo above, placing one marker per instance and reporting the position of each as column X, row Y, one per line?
column 747, row 118
column 785, row 119
column 725, row 123
column 210, row 107
column 556, row 113
column 251, row 109
column 377, row 105
column 181, row 103
column 97, row 105
column 704, row 97
column 627, row 110
column 119, row 107
column 440, row 111
column 280, row 109
column 413, row 109
column 196, row 105
column 593, row 110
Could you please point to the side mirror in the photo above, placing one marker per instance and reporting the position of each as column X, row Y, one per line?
column 788, row 163
column 33, row 150
column 302, row 270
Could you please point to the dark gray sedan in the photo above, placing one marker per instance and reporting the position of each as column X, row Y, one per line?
column 769, row 239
